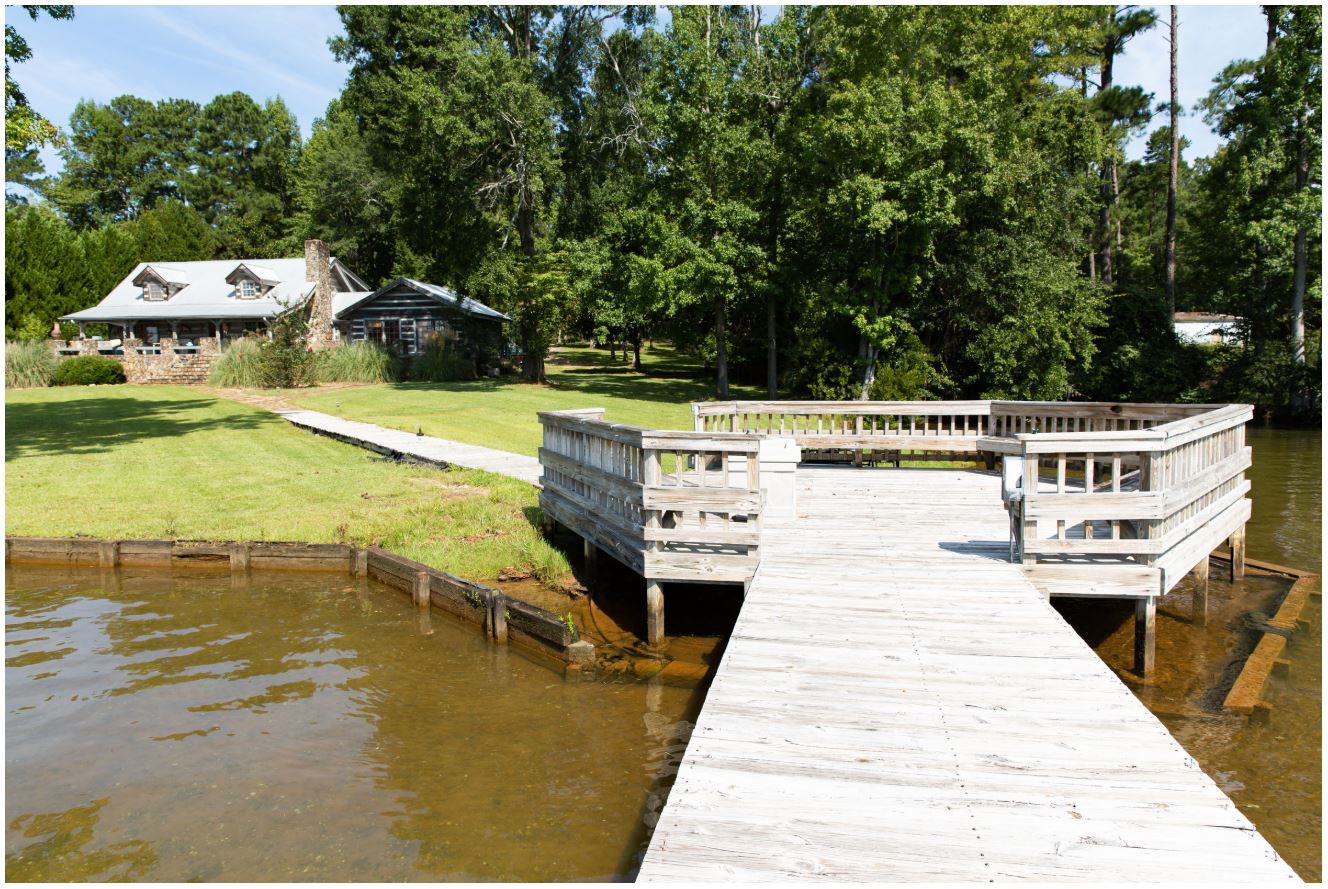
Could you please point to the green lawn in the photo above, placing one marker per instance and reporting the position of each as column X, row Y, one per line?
column 501, row 413
column 173, row 462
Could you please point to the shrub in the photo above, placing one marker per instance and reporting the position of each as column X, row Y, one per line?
column 239, row 364
column 441, row 362
column 357, row 363
column 284, row 360
column 88, row 370
column 29, row 364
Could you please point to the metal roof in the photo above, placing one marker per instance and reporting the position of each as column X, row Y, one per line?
column 1190, row 317
column 445, row 295
column 206, row 293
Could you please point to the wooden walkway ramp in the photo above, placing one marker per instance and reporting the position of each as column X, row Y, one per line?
column 440, row 451
column 897, row 702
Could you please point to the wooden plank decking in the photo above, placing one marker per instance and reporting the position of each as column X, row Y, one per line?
column 898, row 702
column 426, row 448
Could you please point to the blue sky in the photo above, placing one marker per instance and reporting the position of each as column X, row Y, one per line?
column 197, row 52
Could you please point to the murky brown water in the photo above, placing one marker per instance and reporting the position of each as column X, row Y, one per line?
column 299, row 727
column 1273, row 772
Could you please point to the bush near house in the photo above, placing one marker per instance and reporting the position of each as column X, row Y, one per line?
column 29, row 364
column 88, row 370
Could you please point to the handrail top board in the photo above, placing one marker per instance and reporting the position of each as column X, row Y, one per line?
column 1186, row 422
column 588, row 420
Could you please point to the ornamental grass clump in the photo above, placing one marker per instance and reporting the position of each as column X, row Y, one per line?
column 240, row 365
column 88, row 370
column 29, row 364
column 357, row 363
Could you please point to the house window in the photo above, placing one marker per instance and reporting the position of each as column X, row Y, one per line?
column 248, row 289
column 392, row 333
column 154, row 291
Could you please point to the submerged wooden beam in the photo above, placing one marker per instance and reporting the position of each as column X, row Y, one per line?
column 1237, row 543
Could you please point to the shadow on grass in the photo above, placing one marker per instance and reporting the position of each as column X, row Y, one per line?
column 101, row 424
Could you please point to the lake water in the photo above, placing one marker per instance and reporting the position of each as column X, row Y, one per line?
column 1273, row 772
column 302, row 727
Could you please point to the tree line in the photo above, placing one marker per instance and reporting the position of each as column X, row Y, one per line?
column 886, row 202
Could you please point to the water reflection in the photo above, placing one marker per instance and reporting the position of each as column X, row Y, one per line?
column 60, row 839
column 300, row 728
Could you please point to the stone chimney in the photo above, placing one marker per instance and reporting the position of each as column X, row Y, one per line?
column 318, row 268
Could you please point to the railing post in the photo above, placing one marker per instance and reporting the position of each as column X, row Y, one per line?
column 1153, row 480
column 777, row 459
column 1028, row 527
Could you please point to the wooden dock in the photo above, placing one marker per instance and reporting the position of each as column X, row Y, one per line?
column 439, row 452
column 898, row 701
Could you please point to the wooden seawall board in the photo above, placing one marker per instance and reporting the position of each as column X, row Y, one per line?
column 898, row 702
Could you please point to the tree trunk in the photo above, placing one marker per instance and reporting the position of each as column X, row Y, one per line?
column 1173, row 182
column 868, row 351
column 771, row 356
column 1298, row 286
column 1108, row 174
column 636, row 352
column 533, row 367
column 721, row 351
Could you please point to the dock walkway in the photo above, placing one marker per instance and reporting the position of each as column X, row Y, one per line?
column 898, row 702
column 426, row 448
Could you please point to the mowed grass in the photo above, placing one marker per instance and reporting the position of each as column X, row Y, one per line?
column 501, row 413
column 172, row 462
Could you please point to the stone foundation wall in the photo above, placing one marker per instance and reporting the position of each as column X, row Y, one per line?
column 166, row 363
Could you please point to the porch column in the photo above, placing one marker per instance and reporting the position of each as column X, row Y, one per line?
column 218, row 323
column 82, row 331
column 175, row 331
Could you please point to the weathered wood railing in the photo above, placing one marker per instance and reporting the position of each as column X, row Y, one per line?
column 927, row 425
column 1143, row 495
column 673, row 506
column 949, row 426
column 1105, row 499
column 1042, row 417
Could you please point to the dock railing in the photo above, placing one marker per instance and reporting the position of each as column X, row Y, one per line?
column 673, row 505
column 950, row 426
column 1118, row 500
column 1149, row 502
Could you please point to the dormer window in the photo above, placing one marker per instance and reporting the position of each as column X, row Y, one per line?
column 160, row 282
column 251, row 281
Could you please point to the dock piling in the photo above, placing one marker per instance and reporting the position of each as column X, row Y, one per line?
column 591, row 553
column 1145, row 635
column 1237, row 543
column 654, row 612
column 1199, row 614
